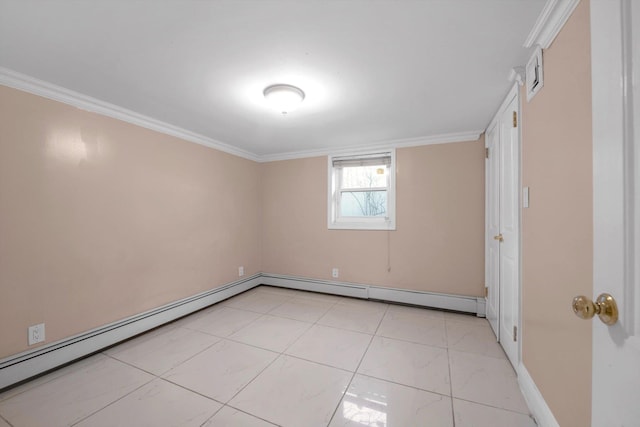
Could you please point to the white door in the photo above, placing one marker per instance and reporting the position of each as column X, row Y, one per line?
column 510, row 227
column 492, row 215
column 615, row 44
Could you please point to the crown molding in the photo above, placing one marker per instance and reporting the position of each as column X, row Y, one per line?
column 48, row 90
column 517, row 75
column 468, row 136
column 550, row 21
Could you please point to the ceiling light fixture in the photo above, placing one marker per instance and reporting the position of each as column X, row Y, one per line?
column 284, row 98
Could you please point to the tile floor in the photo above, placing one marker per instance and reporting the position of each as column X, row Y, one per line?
column 274, row 356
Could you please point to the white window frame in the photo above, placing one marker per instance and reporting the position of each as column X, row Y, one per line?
column 335, row 222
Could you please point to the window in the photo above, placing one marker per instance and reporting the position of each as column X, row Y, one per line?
column 362, row 191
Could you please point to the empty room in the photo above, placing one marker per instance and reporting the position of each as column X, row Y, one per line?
column 320, row 213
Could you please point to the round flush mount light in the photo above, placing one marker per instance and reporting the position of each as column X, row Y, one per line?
column 284, row 98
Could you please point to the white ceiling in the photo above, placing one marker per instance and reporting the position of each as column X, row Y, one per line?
column 373, row 71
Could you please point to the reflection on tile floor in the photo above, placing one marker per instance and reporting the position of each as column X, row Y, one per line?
column 274, row 356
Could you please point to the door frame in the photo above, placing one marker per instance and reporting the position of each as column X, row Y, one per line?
column 492, row 289
column 514, row 92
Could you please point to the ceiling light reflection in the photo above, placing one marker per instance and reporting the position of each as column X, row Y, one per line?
column 370, row 411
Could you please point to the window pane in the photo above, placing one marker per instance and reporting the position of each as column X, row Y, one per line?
column 363, row 203
column 364, row 176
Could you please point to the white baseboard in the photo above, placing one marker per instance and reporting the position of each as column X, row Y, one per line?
column 25, row 365
column 475, row 305
column 541, row 412
column 316, row 285
column 22, row 366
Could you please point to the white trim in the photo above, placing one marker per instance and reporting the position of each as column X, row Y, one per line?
column 48, row 90
column 466, row 304
column 335, row 222
column 550, row 21
column 517, row 75
column 57, row 93
column 513, row 92
column 467, row 136
column 353, row 290
column 20, row 367
column 537, row 405
column 425, row 299
column 481, row 307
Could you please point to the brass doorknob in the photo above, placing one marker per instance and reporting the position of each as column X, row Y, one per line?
column 498, row 237
column 604, row 306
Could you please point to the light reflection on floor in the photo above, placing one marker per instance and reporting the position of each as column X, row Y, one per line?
column 368, row 410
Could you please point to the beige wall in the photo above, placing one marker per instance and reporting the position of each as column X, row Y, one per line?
column 439, row 242
column 557, row 228
column 100, row 219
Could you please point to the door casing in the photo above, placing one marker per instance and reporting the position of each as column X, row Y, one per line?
column 506, row 285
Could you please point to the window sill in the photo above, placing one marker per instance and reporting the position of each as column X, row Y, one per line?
column 389, row 226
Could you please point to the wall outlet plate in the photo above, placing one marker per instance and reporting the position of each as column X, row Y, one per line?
column 240, row 271
column 36, row 334
column 335, row 273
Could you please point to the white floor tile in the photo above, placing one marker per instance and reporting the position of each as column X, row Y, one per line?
column 271, row 332
column 304, row 309
column 229, row 353
column 230, row 417
column 469, row 414
column 331, row 346
column 71, row 397
column 363, row 305
column 79, row 365
column 158, row 403
column 406, row 310
column 278, row 291
column 378, row 403
column 222, row 370
column 222, row 322
column 159, row 351
column 260, row 302
column 322, row 297
column 294, row 392
column 411, row 364
column 487, row 380
column 470, row 318
column 473, row 338
column 351, row 318
column 421, row 329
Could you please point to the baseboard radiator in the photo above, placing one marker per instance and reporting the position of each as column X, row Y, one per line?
column 20, row 367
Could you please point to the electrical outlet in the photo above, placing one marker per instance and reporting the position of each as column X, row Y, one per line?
column 335, row 273
column 36, row 334
column 241, row 271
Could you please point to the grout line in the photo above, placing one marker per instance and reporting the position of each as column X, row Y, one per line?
column 527, row 414
column 111, row 403
column 192, row 391
column 173, row 367
column 5, row 420
column 404, row 385
column 287, row 298
column 446, row 340
column 212, row 415
column 355, row 372
column 282, row 353
column 251, row 415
